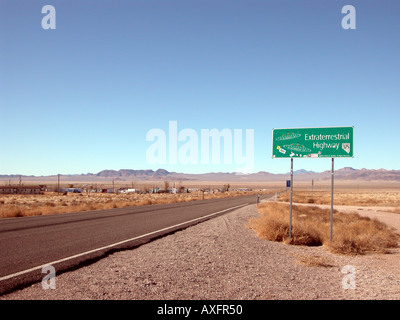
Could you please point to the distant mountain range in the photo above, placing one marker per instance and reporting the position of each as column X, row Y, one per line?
column 130, row 175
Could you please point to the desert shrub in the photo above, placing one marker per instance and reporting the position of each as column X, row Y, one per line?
column 352, row 234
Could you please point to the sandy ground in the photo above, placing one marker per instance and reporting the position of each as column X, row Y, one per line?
column 223, row 259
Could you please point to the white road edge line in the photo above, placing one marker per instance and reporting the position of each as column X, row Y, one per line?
column 114, row 244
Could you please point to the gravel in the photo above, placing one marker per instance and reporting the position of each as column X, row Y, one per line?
column 224, row 259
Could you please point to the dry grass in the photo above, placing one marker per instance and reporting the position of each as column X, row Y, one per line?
column 315, row 261
column 365, row 198
column 395, row 210
column 51, row 203
column 352, row 234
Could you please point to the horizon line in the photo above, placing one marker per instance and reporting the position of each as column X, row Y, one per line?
column 187, row 173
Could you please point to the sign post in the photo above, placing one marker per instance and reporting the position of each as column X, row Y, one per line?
column 291, row 198
column 305, row 143
column 332, row 176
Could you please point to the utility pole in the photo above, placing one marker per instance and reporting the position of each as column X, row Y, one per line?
column 312, row 189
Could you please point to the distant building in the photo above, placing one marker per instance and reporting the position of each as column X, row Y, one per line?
column 125, row 190
column 242, row 189
column 20, row 189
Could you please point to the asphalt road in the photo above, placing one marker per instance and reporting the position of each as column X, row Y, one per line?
column 70, row 240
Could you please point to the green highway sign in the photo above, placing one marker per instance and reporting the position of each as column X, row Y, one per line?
column 325, row 142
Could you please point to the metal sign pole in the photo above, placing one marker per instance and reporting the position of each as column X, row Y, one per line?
column 291, row 196
column 332, row 175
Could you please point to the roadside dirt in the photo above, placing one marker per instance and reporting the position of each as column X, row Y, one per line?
column 223, row 259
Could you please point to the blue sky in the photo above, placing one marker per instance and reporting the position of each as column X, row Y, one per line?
column 82, row 97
